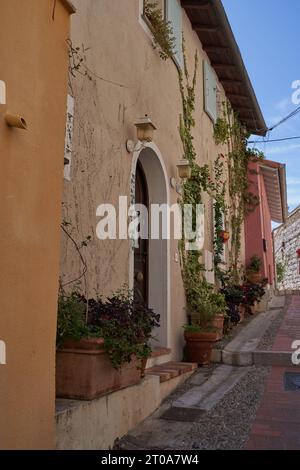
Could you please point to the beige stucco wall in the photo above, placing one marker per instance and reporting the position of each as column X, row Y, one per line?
column 128, row 80
column 33, row 64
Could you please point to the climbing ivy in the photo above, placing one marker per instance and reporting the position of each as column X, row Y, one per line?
column 164, row 39
column 229, row 131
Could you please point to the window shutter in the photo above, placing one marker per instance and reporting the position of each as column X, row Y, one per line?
column 209, row 267
column 174, row 15
column 210, row 92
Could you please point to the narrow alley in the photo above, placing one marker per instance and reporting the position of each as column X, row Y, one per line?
column 254, row 406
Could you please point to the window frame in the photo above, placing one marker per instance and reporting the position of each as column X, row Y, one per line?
column 207, row 67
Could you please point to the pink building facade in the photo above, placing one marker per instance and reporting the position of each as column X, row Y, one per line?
column 267, row 181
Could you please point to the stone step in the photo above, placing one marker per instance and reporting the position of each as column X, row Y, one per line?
column 206, row 395
column 170, row 370
column 240, row 351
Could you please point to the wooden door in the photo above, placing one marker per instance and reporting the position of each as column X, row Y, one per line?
column 141, row 253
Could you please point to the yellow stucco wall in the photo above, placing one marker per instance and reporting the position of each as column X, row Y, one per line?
column 127, row 80
column 33, row 64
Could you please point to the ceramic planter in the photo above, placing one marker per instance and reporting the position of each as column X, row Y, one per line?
column 84, row 371
column 199, row 347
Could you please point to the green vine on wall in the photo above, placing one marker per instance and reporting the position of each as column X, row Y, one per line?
column 229, row 131
column 164, row 39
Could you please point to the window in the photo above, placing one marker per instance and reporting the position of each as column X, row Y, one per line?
column 210, row 91
column 174, row 15
column 209, row 267
column 172, row 12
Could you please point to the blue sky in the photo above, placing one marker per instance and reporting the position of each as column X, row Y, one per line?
column 268, row 34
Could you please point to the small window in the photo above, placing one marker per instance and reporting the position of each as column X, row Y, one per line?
column 174, row 15
column 172, row 12
column 210, row 91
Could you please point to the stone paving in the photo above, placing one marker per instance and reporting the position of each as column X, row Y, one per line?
column 277, row 423
column 229, row 407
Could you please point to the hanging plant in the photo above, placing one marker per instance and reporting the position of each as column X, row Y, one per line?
column 164, row 39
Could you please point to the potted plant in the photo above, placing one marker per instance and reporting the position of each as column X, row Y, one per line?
column 253, row 272
column 217, row 322
column 253, row 295
column 234, row 297
column 200, row 333
column 103, row 350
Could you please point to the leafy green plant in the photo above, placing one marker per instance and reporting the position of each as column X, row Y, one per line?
column 71, row 322
column 229, row 131
column 125, row 325
column 280, row 271
column 161, row 29
column 255, row 264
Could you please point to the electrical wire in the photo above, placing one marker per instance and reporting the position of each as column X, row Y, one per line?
column 272, row 140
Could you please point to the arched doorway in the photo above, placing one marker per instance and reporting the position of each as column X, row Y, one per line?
column 150, row 263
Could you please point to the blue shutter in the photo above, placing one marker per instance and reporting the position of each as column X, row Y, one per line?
column 174, row 15
column 210, row 92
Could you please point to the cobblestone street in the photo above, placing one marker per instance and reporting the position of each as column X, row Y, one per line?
column 238, row 407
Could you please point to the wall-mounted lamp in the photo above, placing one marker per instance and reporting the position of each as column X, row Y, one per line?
column 184, row 173
column 13, row 120
column 145, row 131
column 184, row 169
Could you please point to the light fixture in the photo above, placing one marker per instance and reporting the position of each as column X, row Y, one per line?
column 145, row 131
column 184, row 169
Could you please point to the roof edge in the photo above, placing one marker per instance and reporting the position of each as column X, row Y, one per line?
column 220, row 10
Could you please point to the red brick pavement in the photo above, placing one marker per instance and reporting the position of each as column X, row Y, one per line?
column 277, row 423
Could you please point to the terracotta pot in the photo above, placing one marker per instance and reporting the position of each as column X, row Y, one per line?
column 199, row 347
column 218, row 324
column 254, row 278
column 84, row 371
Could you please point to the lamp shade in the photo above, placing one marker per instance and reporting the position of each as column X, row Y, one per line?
column 145, row 129
column 184, row 169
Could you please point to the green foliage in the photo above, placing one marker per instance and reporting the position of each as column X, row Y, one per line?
column 255, row 264
column 126, row 326
column 161, row 29
column 280, row 271
column 228, row 131
column 71, row 322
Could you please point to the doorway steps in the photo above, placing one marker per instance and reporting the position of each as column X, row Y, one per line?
column 171, row 370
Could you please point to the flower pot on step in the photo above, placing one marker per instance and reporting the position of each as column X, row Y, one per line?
column 199, row 346
column 84, row 371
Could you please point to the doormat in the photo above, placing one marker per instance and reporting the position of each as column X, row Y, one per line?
column 189, row 415
column 292, row 381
